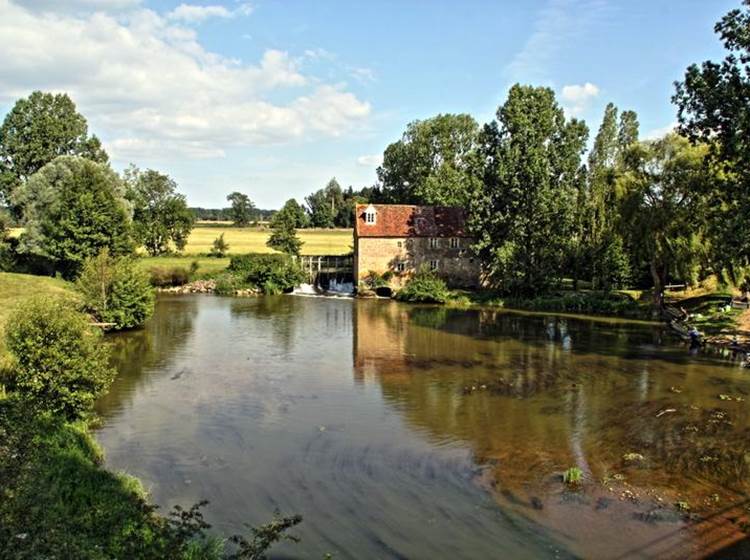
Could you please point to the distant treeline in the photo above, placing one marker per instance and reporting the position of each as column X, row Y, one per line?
column 225, row 214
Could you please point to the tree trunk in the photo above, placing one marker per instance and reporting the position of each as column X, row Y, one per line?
column 658, row 279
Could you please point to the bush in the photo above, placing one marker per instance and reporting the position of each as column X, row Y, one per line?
column 164, row 277
column 424, row 287
column 57, row 363
column 595, row 303
column 374, row 280
column 220, row 247
column 227, row 284
column 116, row 291
column 272, row 274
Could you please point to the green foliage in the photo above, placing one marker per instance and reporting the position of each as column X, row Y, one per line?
column 283, row 234
column 7, row 246
column 57, row 362
column 165, row 276
column 228, row 283
column 611, row 264
column 242, row 210
column 433, row 163
column 323, row 205
column 525, row 215
column 374, row 280
column 161, row 216
column 293, row 212
column 573, row 476
column 264, row 537
column 74, row 208
column 424, row 287
column 38, row 129
column 116, row 290
column 714, row 108
column 589, row 303
column 219, row 248
column 663, row 207
column 272, row 274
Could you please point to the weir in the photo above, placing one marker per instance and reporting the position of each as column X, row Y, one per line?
column 329, row 272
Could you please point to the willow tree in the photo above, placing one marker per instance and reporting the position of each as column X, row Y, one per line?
column 524, row 216
column 663, row 193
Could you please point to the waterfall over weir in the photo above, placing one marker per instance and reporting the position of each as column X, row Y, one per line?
column 334, row 289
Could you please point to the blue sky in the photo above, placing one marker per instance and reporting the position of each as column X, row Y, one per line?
column 274, row 97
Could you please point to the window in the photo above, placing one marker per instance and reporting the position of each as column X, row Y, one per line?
column 454, row 243
column 400, row 267
column 399, row 244
column 434, row 242
column 370, row 214
column 433, row 265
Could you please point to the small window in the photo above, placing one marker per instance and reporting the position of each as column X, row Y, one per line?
column 399, row 244
column 433, row 265
column 400, row 267
column 434, row 242
column 370, row 217
column 454, row 243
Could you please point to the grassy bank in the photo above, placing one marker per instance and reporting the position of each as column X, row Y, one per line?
column 15, row 287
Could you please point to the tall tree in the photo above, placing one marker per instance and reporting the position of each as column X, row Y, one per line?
column 714, row 107
column 38, row 129
column 663, row 190
column 524, row 216
column 294, row 213
column 74, row 208
column 283, row 234
column 160, row 214
column 242, row 208
column 433, row 162
column 606, row 252
column 324, row 205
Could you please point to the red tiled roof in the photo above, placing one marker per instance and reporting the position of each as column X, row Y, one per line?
column 397, row 220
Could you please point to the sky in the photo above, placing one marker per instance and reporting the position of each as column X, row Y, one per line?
column 274, row 97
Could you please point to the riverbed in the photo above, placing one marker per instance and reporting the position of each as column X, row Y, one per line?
column 402, row 431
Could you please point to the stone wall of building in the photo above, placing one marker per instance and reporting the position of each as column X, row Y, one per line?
column 452, row 258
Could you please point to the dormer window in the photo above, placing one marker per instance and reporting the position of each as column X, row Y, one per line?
column 370, row 215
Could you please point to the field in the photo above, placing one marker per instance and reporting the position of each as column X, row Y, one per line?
column 253, row 240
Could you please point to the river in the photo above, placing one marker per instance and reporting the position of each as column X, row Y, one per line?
column 403, row 431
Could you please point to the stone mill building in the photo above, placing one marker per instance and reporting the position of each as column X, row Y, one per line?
column 401, row 239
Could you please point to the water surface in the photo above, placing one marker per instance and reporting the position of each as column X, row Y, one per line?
column 422, row 432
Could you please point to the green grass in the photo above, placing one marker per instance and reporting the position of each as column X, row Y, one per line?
column 253, row 240
column 14, row 288
column 206, row 265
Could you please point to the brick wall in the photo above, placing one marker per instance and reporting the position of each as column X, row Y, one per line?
column 381, row 254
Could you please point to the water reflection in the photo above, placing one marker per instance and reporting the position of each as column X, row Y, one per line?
column 420, row 432
column 532, row 396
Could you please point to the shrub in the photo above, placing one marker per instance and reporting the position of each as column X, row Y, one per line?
column 116, row 291
column 424, row 287
column 163, row 277
column 595, row 303
column 227, row 284
column 220, row 247
column 272, row 274
column 374, row 280
column 57, row 363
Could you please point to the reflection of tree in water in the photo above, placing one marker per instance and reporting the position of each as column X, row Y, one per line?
column 278, row 313
column 136, row 352
column 535, row 395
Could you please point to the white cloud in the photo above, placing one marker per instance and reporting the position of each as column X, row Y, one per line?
column 191, row 13
column 576, row 98
column 149, row 88
column 363, row 75
column 77, row 5
column 373, row 160
column 657, row 133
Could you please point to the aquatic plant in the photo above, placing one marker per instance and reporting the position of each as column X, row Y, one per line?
column 573, row 476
